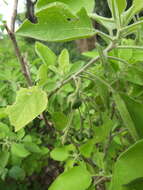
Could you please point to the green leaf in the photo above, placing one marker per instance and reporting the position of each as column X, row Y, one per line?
column 60, row 120
column 128, row 167
column 46, row 54
column 4, row 157
column 102, row 132
column 117, row 4
column 42, row 75
column 32, row 147
column 19, row 150
column 4, row 130
column 136, row 184
column 128, row 122
column 117, row 7
column 64, row 64
column 135, row 110
column 77, row 178
column 87, row 148
column 59, row 154
column 136, row 7
column 29, row 104
column 57, row 23
column 134, row 75
column 3, row 113
column 74, row 5
column 17, row 173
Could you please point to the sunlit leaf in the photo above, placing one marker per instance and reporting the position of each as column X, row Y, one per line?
column 57, row 23
column 29, row 104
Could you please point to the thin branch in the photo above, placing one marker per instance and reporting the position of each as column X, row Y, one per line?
column 73, row 76
column 14, row 14
column 21, row 59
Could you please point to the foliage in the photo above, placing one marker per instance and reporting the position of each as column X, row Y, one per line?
column 86, row 116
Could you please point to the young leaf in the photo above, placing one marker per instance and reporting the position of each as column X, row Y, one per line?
column 128, row 167
column 46, row 54
column 19, row 150
column 29, row 104
column 77, row 178
column 42, row 75
column 74, row 5
column 64, row 65
column 57, row 23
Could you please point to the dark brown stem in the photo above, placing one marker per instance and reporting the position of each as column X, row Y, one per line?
column 22, row 61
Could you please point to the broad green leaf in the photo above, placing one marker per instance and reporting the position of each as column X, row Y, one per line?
column 60, row 120
column 29, row 104
column 4, row 157
column 87, row 148
column 59, row 154
column 57, row 23
column 128, row 122
column 19, row 150
column 46, row 54
column 74, row 5
column 17, row 173
column 64, row 64
column 77, row 178
column 128, row 167
column 135, row 110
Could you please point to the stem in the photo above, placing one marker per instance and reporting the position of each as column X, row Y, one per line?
column 14, row 14
column 21, row 59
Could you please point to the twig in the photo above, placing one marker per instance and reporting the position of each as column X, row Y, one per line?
column 14, row 14
column 21, row 59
